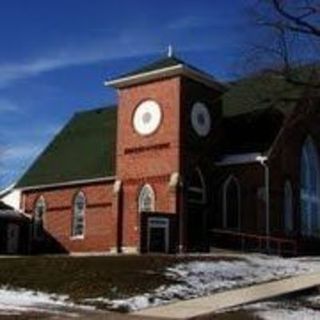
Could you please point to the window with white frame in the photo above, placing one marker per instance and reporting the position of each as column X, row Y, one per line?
column 39, row 211
column 78, row 221
column 310, row 190
column 288, row 207
column 146, row 199
column 231, row 204
column 196, row 188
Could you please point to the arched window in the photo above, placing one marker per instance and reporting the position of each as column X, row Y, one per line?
column 78, row 221
column 39, row 211
column 197, row 188
column 146, row 199
column 288, row 207
column 310, row 189
column 231, row 204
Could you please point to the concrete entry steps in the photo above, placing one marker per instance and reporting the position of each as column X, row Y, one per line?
column 206, row 306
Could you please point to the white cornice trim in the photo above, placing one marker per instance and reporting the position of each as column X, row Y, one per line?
column 166, row 72
column 243, row 158
column 68, row 183
column 149, row 75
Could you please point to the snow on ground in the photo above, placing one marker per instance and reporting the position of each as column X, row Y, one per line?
column 15, row 302
column 200, row 278
column 192, row 279
column 283, row 311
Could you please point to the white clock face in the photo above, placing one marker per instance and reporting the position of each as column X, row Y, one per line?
column 200, row 119
column 147, row 117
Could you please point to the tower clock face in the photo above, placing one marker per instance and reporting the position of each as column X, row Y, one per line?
column 200, row 119
column 147, row 117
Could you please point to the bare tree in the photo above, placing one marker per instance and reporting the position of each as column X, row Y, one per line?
column 288, row 37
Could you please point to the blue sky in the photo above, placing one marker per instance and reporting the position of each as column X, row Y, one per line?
column 55, row 55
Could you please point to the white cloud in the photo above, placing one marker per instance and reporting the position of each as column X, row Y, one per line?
column 121, row 46
column 7, row 106
column 21, row 152
column 190, row 22
column 17, row 155
column 125, row 44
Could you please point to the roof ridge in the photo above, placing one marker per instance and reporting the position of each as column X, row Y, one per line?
column 96, row 109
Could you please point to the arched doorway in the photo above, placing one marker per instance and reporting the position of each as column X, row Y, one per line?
column 231, row 204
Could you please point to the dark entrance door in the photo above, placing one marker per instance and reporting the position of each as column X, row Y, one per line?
column 158, row 235
column 157, row 240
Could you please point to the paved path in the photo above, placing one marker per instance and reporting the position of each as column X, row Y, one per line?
column 205, row 306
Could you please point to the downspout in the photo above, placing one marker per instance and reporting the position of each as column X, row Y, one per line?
column 263, row 161
column 176, row 187
column 181, row 212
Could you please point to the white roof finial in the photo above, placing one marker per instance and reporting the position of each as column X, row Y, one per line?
column 170, row 51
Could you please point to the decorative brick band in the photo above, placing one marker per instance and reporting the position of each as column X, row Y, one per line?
column 64, row 208
column 162, row 178
column 61, row 208
column 98, row 205
column 147, row 148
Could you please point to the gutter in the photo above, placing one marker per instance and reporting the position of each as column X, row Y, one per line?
column 66, row 184
column 263, row 161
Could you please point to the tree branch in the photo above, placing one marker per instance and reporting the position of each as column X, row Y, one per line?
column 297, row 20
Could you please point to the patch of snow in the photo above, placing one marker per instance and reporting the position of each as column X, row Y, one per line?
column 287, row 314
column 200, row 278
column 283, row 311
column 314, row 299
column 19, row 301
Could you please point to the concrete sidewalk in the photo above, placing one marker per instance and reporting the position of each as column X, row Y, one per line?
column 205, row 306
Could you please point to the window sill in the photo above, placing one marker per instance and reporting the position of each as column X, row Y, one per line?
column 77, row 237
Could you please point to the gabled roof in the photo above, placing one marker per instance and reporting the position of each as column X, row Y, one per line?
column 251, row 132
column 84, row 149
column 163, row 68
column 261, row 92
column 162, row 63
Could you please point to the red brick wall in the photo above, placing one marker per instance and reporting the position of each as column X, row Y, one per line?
column 142, row 164
column 100, row 220
column 147, row 159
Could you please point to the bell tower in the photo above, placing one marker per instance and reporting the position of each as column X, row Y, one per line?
column 155, row 113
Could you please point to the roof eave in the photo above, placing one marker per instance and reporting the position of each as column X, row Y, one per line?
column 242, row 158
column 145, row 76
column 67, row 183
column 179, row 69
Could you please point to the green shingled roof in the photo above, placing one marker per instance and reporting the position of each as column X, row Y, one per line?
column 84, row 149
column 259, row 93
column 251, row 132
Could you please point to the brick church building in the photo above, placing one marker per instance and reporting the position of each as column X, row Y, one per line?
column 182, row 163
